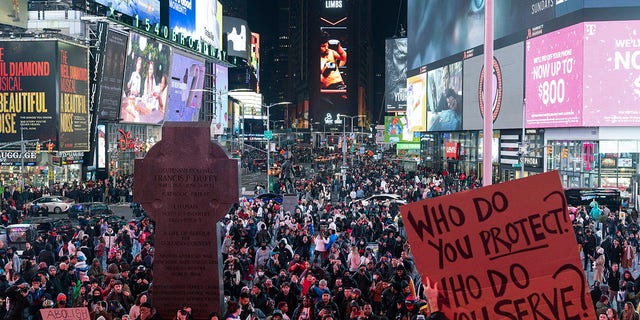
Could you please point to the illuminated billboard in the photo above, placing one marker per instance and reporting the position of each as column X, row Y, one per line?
column 460, row 26
column 101, row 148
column 553, row 78
column 610, row 3
column 333, row 59
column 329, row 54
column 440, row 29
column 73, row 103
column 185, row 88
column 255, row 58
column 445, row 98
column 396, row 129
column 395, row 97
column 221, row 84
column 146, row 82
column 28, row 94
column 611, row 52
column 417, row 102
column 194, row 19
column 508, row 81
column 112, row 74
column 238, row 37
column 144, row 9
column 14, row 13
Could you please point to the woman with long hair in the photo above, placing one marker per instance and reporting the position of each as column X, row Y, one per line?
column 233, row 311
column 629, row 312
column 611, row 314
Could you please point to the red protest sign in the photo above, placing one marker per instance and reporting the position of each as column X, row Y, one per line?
column 506, row 251
column 65, row 314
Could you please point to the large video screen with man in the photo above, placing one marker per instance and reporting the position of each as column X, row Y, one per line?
column 331, row 55
column 395, row 91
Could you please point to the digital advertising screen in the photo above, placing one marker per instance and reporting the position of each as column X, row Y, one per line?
column 28, row 94
column 333, row 59
column 101, row 149
column 145, row 9
column 610, row 3
column 439, row 29
column 611, row 73
column 554, row 78
column 14, row 13
column 522, row 14
column 221, row 117
column 329, row 54
column 444, row 93
column 395, row 75
column 74, row 91
column 185, row 88
column 112, row 75
column 460, row 24
column 255, row 57
column 201, row 20
column 238, row 37
column 417, row 103
column 182, row 17
column 508, row 83
column 396, row 129
column 146, row 81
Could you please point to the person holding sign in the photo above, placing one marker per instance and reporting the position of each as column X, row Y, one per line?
column 431, row 308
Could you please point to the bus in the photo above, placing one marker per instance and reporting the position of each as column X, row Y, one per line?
column 583, row 197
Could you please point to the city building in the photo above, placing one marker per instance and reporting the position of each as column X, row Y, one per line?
column 565, row 92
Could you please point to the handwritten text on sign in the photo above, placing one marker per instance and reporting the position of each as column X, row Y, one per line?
column 65, row 314
column 501, row 252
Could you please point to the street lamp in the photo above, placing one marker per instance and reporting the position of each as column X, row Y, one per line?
column 268, row 140
column 344, row 146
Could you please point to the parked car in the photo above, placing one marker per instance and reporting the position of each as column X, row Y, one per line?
column 62, row 226
column 89, row 209
column 266, row 197
column 383, row 197
column 17, row 235
column 55, row 204
column 3, row 234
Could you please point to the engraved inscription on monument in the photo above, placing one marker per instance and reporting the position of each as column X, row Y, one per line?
column 186, row 184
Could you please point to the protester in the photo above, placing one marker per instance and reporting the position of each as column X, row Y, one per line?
column 331, row 255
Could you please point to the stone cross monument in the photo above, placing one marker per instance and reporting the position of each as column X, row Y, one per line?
column 186, row 184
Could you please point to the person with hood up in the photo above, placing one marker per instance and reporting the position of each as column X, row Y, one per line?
column 81, row 267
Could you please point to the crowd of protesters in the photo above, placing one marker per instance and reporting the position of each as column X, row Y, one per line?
column 332, row 256
column 608, row 241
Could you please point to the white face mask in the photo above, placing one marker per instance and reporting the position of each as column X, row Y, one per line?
column 260, row 273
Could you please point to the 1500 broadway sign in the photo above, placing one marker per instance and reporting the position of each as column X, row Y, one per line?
column 505, row 251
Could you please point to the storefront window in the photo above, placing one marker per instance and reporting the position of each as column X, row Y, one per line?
column 591, row 164
column 618, row 163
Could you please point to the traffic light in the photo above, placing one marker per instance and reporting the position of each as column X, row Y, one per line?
column 549, row 149
column 565, row 153
column 50, row 147
column 37, row 147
